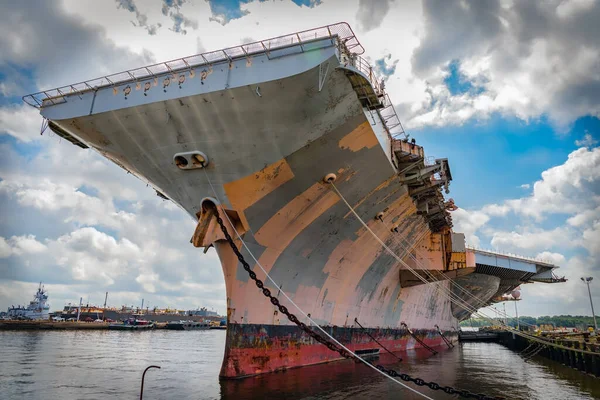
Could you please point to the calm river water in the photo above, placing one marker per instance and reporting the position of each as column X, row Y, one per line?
column 108, row 364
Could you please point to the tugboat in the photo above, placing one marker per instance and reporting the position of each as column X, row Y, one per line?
column 187, row 325
column 38, row 308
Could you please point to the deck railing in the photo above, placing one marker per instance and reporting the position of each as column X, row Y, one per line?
column 340, row 32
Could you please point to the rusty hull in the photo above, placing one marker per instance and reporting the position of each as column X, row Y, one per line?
column 255, row 349
column 268, row 156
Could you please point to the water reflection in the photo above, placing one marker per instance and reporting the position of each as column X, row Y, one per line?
column 76, row 365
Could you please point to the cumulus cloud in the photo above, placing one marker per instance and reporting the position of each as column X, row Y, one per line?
column 565, row 189
column 570, row 190
column 26, row 43
column 552, row 258
column 501, row 65
column 172, row 9
column 5, row 249
column 142, row 19
column 586, row 141
column 370, row 14
column 469, row 222
column 96, row 228
column 21, row 121
column 531, row 239
column 518, row 51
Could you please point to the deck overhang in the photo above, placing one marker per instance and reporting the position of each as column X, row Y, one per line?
column 513, row 270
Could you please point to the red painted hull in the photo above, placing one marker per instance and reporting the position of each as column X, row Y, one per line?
column 257, row 349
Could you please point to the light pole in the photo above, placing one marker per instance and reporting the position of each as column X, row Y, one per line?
column 517, row 315
column 587, row 281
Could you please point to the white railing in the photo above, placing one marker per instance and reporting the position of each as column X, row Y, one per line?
column 340, row 32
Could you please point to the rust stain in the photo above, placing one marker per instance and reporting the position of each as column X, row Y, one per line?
column 287, row 223
column 336, row 258
column 208, row 231
column 396, row 301
column 248, row 190
column 359, row 138
column 90, row 134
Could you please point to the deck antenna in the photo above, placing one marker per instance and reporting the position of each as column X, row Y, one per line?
column 105, row 298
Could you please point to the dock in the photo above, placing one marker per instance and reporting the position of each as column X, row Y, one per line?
column 466, row 336
column 51, row 325
column 581, row 353
column 45, row 325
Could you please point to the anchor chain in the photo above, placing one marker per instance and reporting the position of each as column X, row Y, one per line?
column 332, row 346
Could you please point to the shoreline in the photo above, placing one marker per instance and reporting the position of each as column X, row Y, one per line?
column 67, row 325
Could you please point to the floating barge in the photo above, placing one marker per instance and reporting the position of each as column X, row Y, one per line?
column 254, row 135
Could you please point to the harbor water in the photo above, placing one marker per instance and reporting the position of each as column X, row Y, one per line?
column 109, row 364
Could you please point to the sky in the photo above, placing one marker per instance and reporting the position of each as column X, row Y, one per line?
column 508, row 91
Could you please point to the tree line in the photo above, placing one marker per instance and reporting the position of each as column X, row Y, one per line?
column 558, row 321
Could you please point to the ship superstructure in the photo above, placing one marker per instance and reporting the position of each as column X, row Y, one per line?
column 254, row 135
column 38, row 308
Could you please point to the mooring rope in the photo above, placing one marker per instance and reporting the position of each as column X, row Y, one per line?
column 343, row 350
column 448, row 293
column 453, row 298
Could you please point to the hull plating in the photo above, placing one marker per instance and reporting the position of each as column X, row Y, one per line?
column 256, row 349
column 268, row 155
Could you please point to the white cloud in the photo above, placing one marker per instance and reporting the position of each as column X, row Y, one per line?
column 570, row 190
column 552, row 258
column 21, row 121
column 26, row 245
column 587, row 141
column 131, row 248
column 531, row 239
column 591, row 237
column 497, row 210
column 516, row 51
column 19, row 245
column 80, row 207
column 370, row 14
column 91, row 255
column 5, row 249
column 565, row 189
column 469, row 222
column 525, row 186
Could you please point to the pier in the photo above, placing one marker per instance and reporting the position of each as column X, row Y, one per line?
column 477, row 336
column 583, row 355
column 580, row 352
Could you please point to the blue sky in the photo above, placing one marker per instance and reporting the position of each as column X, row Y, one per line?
column 520, row 129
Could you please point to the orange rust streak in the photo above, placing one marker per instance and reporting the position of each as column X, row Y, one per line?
column 279, row 231
column 429, row 252
column 359, row 138
column 248, row 190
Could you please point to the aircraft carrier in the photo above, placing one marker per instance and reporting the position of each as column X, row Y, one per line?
column 294, row 142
